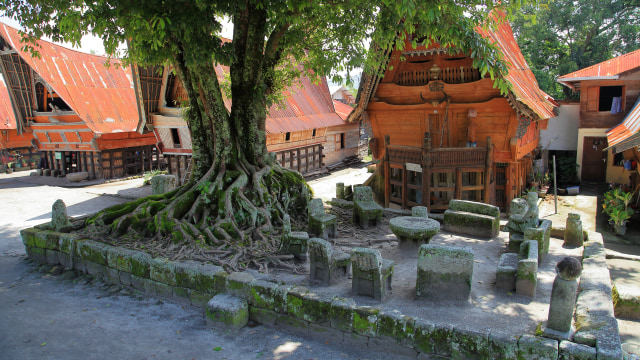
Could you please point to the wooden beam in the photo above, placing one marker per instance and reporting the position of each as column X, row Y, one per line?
column 458, row 194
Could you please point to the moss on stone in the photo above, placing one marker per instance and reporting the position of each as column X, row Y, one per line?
column 397, row 326
column 92, row 251
column 365, row 321
column 163, row 271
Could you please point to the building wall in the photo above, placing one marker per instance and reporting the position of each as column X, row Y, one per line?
column 615, row 173
column 564, row 127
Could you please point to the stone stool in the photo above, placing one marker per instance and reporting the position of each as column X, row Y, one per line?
column 293, row 242
column 573, row 231
column 320, row 223
column 563, row 299
column 325, row 264
column 444, row 272
column 372, row 275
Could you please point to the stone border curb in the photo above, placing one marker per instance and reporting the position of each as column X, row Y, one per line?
column 332, row 318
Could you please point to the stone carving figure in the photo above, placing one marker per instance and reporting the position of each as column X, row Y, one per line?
column 524, row 213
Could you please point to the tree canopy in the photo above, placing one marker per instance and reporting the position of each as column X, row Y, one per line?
column 563, row 36
column 238, row 192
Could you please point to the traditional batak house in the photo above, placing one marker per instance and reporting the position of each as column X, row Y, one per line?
column 83, row 114
column 14, row 140
column 305, row 132
column 609, row 119
column 430, row 105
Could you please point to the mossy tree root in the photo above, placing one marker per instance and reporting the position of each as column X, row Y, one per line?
column 226, row 218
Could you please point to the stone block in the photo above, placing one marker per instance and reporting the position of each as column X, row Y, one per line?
column 202, row 277
column 627, row 304
column 52, row 257
column 125, row 278
column 65, row 260
column 95, row 270
column 111, row 276
column 47, row 240
column 420, row 211
column 120, row 258
column 468, row 223
column 163, row 270
column 542, row 235
column 470, row 344
column 262, row 316
column 596, row 279
column 341, row 203
column 37, row 254
column 79, row 264
column 341, row 313
column 506, row 272
column 537, row 348
column 388, row 346
column 181, row 294
column 140, row 264
column 67, row 243
column 158, row 288
column 474, row 207
column 59, row 218
column 92, row 251
column 571, row 351
column 29, row 236
column 200, row 298
column 400, row 328
column 137, row 282
column 228, row 311
column 77, row 176
column 503, row 347
column 444, row 272
column 365, row 320
column 573, row 230
column 433, row 338
column 161, row 184
column 239, row 284
column 294, row 325
column 515, row 241
column 263, row 294
column 46, row 172
column 527, row 274
column 309, row 306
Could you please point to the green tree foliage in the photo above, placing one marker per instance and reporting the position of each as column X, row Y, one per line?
column 563, row 36
column 238, row 191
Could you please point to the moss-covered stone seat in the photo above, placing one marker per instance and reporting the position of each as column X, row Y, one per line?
column 326, row 265
column 293, row 242
column 321, row 224
column 472, row 218
column 413, row 231
column 444, row 272
column 365, row 209
column 372, row 275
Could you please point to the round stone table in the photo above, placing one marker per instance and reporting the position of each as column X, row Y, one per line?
column 413, row 231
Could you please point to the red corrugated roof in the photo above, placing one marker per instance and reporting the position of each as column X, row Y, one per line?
column 342, row 109
column 102, row 96
column 307, row 106
column 612, row 67
column 524, row 84
column 630, row 125
column 7, row 116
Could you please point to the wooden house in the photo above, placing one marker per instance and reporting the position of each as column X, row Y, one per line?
column 343, row 95
column 430, row 105
column 609, row 118
column 82, row 114
column 304, row 132
column 14, row 141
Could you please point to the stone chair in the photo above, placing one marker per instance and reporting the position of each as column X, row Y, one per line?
column 365, row 209
column 326, row 265
column 472, row 218
column 372, row 275
column 444, row 272
column 320, row 223
column 519, row 272
column 293, row 242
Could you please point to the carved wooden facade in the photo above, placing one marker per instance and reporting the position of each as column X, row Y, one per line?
column 420, row 114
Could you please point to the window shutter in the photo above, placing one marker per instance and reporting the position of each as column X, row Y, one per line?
column 593, row 94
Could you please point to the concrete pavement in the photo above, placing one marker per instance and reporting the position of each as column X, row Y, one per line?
column 46, row 316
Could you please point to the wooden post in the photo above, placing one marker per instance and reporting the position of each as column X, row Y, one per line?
column 50, row 158
column 298, row 155
column 178, row 157
column 101, row 162
column 487, row 171
column 405, row 189
column 142, row 159
column 387, row 172
column 458, row 194
column 111, row 161
column 64, row 163
column 93, row 165
column 426, row 170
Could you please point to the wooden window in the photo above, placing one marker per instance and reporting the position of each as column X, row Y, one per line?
column 175, row 136
column 340, row 141
column 603, row 98
column 618, row 159
column 313, row 134
column 287, row 136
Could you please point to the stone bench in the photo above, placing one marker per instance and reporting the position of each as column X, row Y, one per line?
column 506, row 272
column 365, row 209
column 293, row 242
column 527, row 275
column 372, row 275
column 444, row 272
column 326, row 265
column 472, row 218
column 541, row 235
column 320, row 223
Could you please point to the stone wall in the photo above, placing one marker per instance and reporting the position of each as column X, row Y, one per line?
column 326, row 318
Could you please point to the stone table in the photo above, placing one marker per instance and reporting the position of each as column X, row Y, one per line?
column 413, row 231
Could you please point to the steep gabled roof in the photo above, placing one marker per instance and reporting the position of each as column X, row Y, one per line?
column 103, row 97
column 342, row 109
column 610, row 69
column 7, row 116
column 525, row 95
column 625, row 135
column 307, row 106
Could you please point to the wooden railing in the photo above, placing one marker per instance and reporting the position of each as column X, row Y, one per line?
column 452, row 75
column 458, row 157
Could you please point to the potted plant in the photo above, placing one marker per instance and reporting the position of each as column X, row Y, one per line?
column 616, row 205
column 620, row 216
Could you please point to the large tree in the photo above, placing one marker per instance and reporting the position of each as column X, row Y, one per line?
column 238, row 192
column 563, row 36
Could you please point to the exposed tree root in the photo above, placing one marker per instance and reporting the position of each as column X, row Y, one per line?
column 228, row 219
